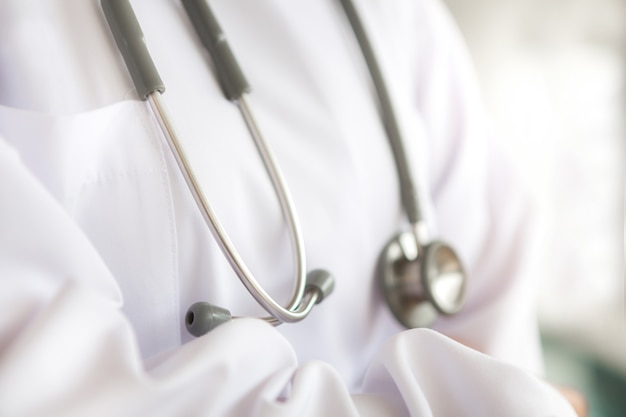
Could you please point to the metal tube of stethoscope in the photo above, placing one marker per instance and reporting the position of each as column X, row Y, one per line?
column 308, row 290
column 236, row 87
column 295, row 311
column 284, row 198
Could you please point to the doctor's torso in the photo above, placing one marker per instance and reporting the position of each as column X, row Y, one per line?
column 68, row 105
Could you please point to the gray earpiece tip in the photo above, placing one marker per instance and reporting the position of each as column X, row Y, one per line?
column 321, row 281
column 203, row 317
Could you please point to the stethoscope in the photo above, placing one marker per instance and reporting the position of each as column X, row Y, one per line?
column 420, row 279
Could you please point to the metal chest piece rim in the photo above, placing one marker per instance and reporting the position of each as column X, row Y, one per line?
column 421, row 282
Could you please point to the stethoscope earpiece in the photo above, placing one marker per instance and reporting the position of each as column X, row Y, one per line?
column 320, row 281
column 203, row 317
column 420, row 282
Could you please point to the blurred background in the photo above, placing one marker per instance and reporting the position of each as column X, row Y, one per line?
column 553, row 77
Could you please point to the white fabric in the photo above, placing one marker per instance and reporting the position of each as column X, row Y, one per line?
column 102, row 249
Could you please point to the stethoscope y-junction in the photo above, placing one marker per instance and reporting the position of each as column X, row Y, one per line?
column 419, row 278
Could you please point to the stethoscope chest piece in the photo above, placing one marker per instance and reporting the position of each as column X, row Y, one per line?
column 421, row 282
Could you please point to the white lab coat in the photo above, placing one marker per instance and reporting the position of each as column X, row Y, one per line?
column 102, row 249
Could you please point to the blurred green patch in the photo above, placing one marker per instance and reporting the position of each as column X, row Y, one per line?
column 603, row 386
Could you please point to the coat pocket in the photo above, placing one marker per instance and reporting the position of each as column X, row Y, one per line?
column 107, row 169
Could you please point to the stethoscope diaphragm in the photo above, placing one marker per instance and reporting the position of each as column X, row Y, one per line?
column 420, row 282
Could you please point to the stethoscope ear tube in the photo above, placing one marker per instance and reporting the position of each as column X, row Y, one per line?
column 408, row 191
column 229, row 73
column 309, row 289
column 130, row 41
